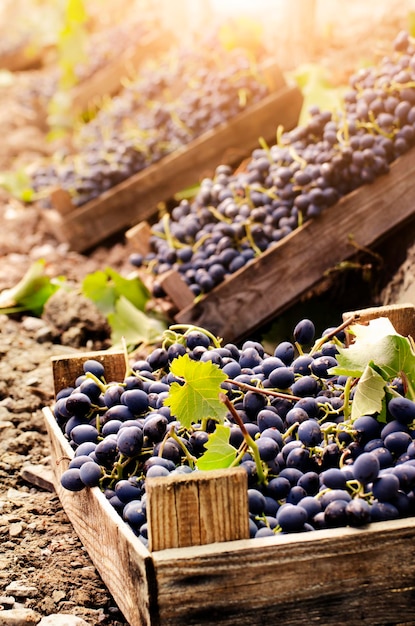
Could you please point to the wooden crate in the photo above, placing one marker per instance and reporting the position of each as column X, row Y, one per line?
column 345, row 575
column 107, row 81
column 263, row 289
column 136, row 198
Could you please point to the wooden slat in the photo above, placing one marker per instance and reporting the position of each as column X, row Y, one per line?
column 196, row 509
column 123, row 562
column 108, row 79
column 136, row 199
column 330, row 577
column 401, row 316
column 265, row 288
column 65, row 369
column 139, row 236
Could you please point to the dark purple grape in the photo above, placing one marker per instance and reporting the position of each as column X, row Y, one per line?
column 291, row 517
column 94, row 367
column 136, row 400
column 402, row 410
column 256, row 502
column 385, row 488
column 154, row 427
column 90, row 474
column 130, row 441
column 309, row 433
column 366, row 467
column 84, row 432
column 71, row 479
column 78, row 404
column 304, row 332
column 335, row 513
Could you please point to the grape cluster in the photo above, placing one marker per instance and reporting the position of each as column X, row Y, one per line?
column 186, row 93
column 235, row 217
column 309, row 466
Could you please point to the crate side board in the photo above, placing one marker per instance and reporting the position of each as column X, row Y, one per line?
column 123, row 562
column 364, row 575
column 275, row 280
column 67, row 368
column 139, row 195
column 108, row 79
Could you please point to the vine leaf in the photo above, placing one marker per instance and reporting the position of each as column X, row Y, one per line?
column 220, row 454
column 369, row 394
column 372, row 343
column 198, row 397
column 378, row 355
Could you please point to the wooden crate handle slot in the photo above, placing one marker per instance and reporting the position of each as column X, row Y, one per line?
column 62, row 201
column 197, row 508
column 177, row 290
column 66, row 368
column 138, row 237
column 401, row 316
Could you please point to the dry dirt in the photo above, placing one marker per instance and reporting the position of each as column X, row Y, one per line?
column 43, row 566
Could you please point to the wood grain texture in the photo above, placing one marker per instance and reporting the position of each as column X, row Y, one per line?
column 196, row 509
column 136, row 199
column 108, row 79
column 65, row 369
column 401, row 316
column 340, row 576
column 123, row 562
column 266, row 287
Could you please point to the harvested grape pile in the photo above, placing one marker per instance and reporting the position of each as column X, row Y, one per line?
column 318, row 450
column 154, row 115
column 237, row 216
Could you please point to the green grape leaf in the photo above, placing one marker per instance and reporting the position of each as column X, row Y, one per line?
column 132, row 326
column 369, row 394
column 375, row 342
column 95, row 286
column 132, row 288
column 18, row 183
column 198, row 397
column 31, row 292
column 104, row 287
column 219, row 452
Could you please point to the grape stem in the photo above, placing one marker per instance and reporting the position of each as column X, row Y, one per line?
column 261, row 390
column 262, row 479
column 189, row 328
column 333, row 333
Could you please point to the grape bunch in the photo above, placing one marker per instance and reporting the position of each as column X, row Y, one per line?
column 309, row 465
column 171, row 102
column 235, row 217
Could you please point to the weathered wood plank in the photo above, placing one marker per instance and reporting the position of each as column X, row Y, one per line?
column 401, row 316
column 265, row 288
column 65, row 369
column 108, row 79
column 195, row 509
column 136, row 199
column 123, row 562
column 332, row 577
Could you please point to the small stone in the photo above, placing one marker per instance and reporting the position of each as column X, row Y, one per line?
column 20, row 589
column 62, row 619
column 7, row 602
column 58, row 595
column 19, row 617
column 15, row 529
column 38, row 475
